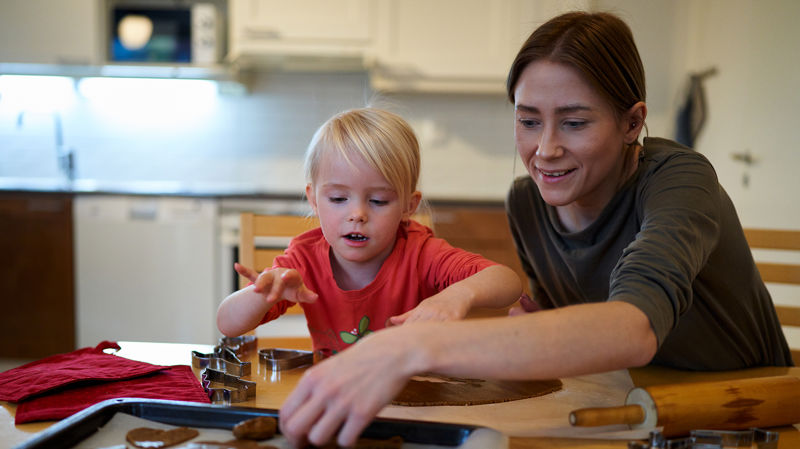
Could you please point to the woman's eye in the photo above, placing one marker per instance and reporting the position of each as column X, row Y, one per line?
column 574, row 124
column 528, row 123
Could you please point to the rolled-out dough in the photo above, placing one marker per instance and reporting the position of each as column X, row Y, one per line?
column 435, row 390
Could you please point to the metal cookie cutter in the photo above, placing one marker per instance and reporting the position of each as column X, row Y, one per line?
column 234, row 388
column 712, row 439
column 224, row 366
column 223, row 359
column 277, row 359
column 241, row 344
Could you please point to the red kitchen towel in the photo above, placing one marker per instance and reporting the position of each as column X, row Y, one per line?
column 175, row 382
column 87, row 364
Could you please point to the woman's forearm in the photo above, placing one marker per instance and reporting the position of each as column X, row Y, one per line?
column 570, row 341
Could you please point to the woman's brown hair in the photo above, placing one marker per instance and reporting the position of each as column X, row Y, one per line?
column 599, row 46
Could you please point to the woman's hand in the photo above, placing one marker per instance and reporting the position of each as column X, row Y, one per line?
column 439, row 307
column 526, row 305
column 347, row 390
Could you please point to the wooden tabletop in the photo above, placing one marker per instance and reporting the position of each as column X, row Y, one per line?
column 273, row 387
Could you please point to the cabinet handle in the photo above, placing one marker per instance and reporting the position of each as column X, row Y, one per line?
column 259, row 33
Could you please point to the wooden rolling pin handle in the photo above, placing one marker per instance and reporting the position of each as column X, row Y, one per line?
column 590, row 417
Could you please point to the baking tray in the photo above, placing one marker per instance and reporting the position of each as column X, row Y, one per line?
column 71, row 431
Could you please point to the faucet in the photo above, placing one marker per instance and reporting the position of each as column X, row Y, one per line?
column 65, row 156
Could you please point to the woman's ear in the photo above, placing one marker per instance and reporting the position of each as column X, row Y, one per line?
column 633, row 122
column 312, row 199
column 413, row 203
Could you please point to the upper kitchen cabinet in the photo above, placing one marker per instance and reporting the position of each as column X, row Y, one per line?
column 454, row 45
column 48, row 32
column 317, row 34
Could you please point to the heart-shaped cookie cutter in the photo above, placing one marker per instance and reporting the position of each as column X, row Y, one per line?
column 277, row 359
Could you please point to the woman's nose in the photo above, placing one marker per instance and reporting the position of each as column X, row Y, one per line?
column 549, row 145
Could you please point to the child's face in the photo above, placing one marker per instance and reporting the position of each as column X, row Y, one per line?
column 359, row 211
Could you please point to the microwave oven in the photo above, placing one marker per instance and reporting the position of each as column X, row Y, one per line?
column 166, row 31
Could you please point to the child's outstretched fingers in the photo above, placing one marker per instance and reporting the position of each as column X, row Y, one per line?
column 264, row 282
column 248, row 273
column 291, row 279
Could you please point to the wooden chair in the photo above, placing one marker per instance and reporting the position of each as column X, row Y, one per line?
column 263, row 237
column 788, row 243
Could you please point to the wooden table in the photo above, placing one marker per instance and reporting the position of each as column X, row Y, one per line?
column 272, row 389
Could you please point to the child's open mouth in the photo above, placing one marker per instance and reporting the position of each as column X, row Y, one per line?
column 356, row 237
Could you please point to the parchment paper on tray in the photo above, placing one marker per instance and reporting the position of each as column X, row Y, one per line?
column 112, row 435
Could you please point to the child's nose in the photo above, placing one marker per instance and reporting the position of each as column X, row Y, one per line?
column 357, row 215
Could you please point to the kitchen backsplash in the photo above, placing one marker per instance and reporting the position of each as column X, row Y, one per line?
column 256, row 140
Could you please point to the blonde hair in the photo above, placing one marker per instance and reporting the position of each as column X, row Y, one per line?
column 381, row 138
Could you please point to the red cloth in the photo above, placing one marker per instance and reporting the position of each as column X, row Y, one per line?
column 175, row 383
column 60, row 370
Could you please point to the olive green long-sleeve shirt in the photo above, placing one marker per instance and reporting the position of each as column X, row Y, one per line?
column 670, row 243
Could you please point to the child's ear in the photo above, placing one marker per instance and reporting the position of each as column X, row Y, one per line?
column 312, row 199
column 413, row 203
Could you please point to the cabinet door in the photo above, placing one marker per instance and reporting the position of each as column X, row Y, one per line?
column 324, row 27
column 48, row 32
column 37, row 288
column 454, row 45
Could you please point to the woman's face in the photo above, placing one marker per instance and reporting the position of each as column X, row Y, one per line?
column 568, row 137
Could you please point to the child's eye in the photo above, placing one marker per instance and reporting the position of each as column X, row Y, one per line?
column 528, row 122
column 337, row 199
column 379, row 202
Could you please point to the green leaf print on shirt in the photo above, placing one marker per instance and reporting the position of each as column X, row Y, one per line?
column 356, row 334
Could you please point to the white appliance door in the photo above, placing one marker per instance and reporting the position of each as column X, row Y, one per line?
column 147, row 269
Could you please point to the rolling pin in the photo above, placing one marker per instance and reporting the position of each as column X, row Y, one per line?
column 721, row 405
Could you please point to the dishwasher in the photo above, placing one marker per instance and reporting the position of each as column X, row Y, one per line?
column 146, row 269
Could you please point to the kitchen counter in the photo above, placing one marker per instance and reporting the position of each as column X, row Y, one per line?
column 219, row 190
column 146, row 188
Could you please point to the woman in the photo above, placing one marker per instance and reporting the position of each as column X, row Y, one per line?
column 634, row 250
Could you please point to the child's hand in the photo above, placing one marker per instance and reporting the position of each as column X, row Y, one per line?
column 248, row 273
column 434, row 308
column 283, row 283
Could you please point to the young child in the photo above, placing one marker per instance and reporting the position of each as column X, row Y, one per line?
column 369, row 265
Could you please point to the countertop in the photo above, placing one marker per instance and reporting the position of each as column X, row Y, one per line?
column 220, row 190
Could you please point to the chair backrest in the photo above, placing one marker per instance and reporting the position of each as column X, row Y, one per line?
column 786, row 244
column 263, row 237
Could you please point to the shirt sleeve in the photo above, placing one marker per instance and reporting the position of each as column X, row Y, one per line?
column 679, row 217
column 443, row 265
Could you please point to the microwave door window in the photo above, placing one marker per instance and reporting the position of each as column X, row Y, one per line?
column 151, row 35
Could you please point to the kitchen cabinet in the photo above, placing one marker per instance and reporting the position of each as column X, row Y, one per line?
column 37, row 288
column 337, row 30
column 48, row 32
column 454, row 45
